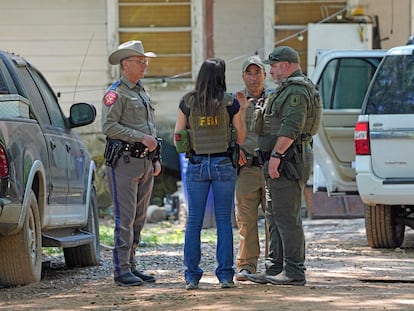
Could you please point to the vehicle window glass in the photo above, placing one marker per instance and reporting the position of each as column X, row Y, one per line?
column 326, row 82
column 6, row 82
column 392, row 91
column 3, row 86
column 34, row 96
column 345, row 82
column 50, row 100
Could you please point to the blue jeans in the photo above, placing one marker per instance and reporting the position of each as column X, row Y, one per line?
column 218, row 173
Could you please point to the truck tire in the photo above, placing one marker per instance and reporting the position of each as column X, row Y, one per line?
column 380, row 226
column 21, row 254
column 88, row 254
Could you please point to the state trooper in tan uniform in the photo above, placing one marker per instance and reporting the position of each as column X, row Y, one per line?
column 132, row 157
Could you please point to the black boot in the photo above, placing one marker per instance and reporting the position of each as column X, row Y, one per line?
column 145, row 277
column 128, row 279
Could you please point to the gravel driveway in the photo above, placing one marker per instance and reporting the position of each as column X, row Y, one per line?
column 343, row 274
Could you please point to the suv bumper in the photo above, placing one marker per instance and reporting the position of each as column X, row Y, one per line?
column 374, row 190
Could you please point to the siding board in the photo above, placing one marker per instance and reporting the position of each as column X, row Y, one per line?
column 34, row 17
column 54, row 36
column 47, row 33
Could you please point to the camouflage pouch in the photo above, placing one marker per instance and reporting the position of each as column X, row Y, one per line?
column 182, row 141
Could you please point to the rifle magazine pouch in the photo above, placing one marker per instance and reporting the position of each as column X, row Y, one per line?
column 182, row 141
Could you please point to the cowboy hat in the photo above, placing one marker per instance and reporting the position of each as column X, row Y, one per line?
column 128, row 49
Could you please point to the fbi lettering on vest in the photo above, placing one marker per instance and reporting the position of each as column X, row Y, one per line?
column 208, row 121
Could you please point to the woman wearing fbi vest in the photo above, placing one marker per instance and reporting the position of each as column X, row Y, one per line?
column 209, row 127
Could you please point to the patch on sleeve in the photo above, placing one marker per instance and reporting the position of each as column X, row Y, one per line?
column 294, row 100
column 110, row 98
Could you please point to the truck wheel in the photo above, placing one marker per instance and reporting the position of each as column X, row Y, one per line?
column 88, row 254
column 21, row 254
column 380, row 226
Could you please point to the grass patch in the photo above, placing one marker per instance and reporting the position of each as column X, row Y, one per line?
column 153, row 234
column 157, row 234
column 52, row 251
column 106, row 235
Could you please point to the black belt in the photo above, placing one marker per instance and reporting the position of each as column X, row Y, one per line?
column 214, row 155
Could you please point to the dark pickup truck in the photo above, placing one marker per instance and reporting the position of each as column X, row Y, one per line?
column 47, row 191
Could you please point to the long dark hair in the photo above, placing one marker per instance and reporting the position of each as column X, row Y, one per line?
column 211, row 84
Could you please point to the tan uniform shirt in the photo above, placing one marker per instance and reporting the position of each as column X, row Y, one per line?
column 127, row 112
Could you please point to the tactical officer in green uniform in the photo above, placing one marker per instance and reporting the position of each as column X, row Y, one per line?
column 132, row 157
column 285, row 144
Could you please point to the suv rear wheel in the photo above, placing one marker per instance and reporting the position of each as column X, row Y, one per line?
column 381, row 229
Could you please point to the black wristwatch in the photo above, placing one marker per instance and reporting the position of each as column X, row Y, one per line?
column 278, row 155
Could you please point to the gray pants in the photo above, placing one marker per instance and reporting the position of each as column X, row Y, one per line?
column 131, row 188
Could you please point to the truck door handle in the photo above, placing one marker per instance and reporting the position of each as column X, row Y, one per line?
column 52, row 144
column 67, row 147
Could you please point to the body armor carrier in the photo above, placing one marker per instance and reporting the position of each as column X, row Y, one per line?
column 209, row 133
column 265, row 125
column 314, row 117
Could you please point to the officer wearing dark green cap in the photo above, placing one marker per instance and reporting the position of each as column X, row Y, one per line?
column 286, row 149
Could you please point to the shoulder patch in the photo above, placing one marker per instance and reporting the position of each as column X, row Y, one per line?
column 294, row 100
column 111, row 96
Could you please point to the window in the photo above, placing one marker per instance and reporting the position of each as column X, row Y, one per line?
column 392, row 91
column 164, row 27
column 50, row 101
column 43, row 100
column 3, row 87
column 291, row 19
column 344, row 82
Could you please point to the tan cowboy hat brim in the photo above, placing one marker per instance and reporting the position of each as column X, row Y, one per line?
column 128, row 49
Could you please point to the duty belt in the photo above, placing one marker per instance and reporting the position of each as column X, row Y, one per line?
column 288, row 161
column 115, row 149
column 136, row 150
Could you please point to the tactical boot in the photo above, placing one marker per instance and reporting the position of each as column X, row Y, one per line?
column 242, row 275
column 283, row 279
column 257, row 277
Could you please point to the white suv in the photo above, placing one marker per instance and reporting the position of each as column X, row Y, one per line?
column 342, row 77
column 384, row 145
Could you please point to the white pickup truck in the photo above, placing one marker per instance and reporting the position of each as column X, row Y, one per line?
column 47, row 177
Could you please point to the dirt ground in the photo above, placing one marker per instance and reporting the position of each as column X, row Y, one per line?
column 343, row 273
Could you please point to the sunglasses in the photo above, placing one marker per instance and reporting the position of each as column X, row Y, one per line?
column 276, row 59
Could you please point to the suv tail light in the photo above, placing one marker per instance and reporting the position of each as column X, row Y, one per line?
column 4, row 163
column 361, row 139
